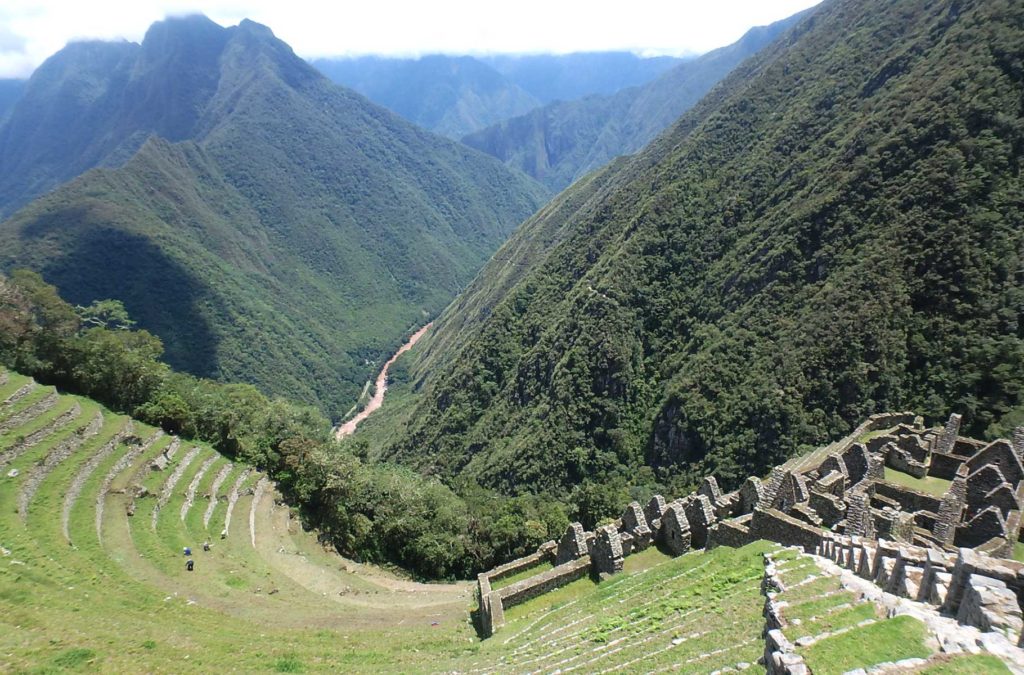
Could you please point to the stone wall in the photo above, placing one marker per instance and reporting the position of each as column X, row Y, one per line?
column 951, row 509
column 776, row 526
column 734, row 533
column 494, row 603
column 572, row 545
column 945, row 466
column 908, row 498
column 948, row 437
column 846, row 492
column 607, row 556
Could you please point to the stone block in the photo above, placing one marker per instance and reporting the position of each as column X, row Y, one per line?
column 988, row 604
column 675, row 529
column 572, row 545
column 654, row 510
column 607, row 557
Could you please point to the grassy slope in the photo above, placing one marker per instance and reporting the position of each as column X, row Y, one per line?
column 126, row 603
column 766, row 274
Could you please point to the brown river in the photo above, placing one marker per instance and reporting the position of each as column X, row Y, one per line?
column 349, row 427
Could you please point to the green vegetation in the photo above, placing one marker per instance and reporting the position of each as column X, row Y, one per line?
column 832, row 232
column 559, row 143
column 369, row 510
column 930, row 484
column 894, row 639
column 525, row 574
column 274, row 229
column 967, row 664
column 119, row 599
column 698, row 612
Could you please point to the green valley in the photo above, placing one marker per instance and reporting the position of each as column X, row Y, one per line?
column 272, row 228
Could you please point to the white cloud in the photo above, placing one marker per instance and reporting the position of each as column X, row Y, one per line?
column 38, row 28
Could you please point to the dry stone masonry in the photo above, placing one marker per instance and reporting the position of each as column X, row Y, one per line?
column 948, row 551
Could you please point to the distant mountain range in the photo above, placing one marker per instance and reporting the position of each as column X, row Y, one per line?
column 456, row 95
column 270, row 226
column 451, row 95
column 562, row 77
column 560, row 142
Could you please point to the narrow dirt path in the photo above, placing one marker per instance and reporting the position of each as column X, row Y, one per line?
column 349, row 427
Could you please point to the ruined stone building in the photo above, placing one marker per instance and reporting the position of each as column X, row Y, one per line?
column 836, row 494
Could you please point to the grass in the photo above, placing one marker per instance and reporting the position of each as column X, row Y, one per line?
column 701, row 611
column 929, row 484
column 540, row 568
column 127, row 603
column 892, row 640
column 1018, row 551
column 967, row 664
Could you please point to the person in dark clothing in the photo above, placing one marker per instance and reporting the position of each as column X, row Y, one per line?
column 189, row 564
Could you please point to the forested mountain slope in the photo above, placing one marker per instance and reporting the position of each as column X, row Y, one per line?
column 834, row 231
column 450, row 95
column 566, row 139
column 289, row 238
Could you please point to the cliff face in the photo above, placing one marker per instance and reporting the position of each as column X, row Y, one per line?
column 833, row 231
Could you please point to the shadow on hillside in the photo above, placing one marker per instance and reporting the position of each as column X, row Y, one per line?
column 97, row 262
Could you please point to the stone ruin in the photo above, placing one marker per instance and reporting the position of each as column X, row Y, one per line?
column 835, row 497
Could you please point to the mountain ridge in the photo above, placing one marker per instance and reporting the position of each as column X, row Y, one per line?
column 564, row 140
column 356, row 224
column 770, row 269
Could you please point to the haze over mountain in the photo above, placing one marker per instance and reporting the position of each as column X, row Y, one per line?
column 451, row 95
column 456, row 95
column 562, row 77
column 835, row 230
column 268, row 225
column 562, row 141
column 10, row 92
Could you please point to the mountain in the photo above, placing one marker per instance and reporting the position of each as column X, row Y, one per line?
column 450, row 95
column 835, row 230
column 10, row 92
column 269, row 226
column 562, row 77
column 558, row 143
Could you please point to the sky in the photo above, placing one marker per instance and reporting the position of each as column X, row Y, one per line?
column 32, row 30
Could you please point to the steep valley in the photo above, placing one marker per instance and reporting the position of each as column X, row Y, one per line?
column 269, row 226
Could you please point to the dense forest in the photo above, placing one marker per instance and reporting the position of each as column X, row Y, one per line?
column 836, row 230
column 269, row 226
